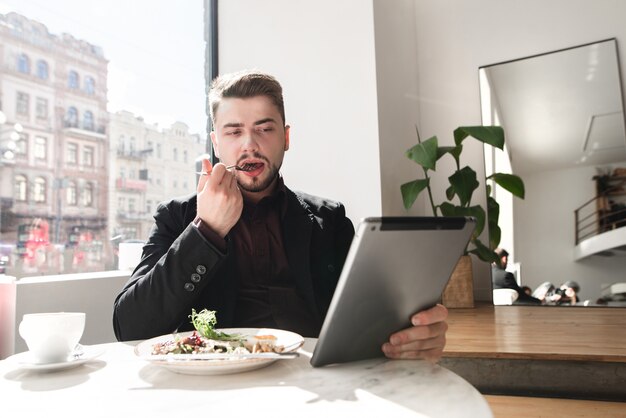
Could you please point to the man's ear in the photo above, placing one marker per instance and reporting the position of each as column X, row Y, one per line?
column 287, row 127
column 214, row 142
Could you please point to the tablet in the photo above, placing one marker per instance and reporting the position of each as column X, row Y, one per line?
column 396, row 267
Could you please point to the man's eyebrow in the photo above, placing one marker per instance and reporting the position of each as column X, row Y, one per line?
column 265, row 120
column 233, row 125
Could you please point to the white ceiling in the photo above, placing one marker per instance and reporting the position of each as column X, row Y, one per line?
column 559, row 110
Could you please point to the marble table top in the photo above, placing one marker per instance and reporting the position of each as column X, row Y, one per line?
column 118, row 383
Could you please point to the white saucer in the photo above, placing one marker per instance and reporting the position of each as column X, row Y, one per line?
column 86, row 353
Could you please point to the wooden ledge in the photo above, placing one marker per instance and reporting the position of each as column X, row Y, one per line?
column 538, row 333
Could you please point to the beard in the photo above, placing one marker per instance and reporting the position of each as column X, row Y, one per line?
column 255, row 184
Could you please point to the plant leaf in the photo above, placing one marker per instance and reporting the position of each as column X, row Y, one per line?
column 455, row 152
column 411, row 190
column 510, row 182
column 492, row 135
column 482, row 252
column 424, row 153
column 493, row 215
column 448, row 209
column 464, row 183
column 450, row 193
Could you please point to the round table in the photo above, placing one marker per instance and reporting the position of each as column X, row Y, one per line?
column 118, row 383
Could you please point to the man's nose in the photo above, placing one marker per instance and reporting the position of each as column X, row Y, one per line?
column 250, row 142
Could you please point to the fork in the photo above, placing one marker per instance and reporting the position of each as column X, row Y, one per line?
column 245, row 167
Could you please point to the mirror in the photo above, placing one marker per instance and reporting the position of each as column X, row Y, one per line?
column 562, row 113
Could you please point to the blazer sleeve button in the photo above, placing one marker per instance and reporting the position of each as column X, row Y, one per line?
column 189, row 287
column 196, row 278
column 200, row 269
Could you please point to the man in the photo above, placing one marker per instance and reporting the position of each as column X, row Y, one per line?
column 245, row 245
column 503, row 279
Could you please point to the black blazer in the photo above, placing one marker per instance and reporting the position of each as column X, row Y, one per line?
column 180, row 269
column 503, row 279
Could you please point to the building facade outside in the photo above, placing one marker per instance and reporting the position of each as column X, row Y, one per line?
column 55, row 88
column 76, row 180
column 148, row 165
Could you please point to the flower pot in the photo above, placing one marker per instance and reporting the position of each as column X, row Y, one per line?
column 459, row 293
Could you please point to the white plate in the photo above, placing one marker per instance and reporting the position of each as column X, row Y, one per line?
column 290, row 340
column 87, row 353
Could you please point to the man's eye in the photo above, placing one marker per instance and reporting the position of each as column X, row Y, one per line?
column 235, row 132
column 267, row 129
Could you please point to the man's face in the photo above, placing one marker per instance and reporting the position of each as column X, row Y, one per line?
column 251, row 131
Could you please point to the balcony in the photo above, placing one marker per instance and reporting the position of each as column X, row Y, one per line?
column 85, row 131
column 601, row 222
column 134, row 154
column 131, row 185
column 132, row 216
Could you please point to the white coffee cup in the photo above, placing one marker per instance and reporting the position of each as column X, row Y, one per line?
column 51, row 337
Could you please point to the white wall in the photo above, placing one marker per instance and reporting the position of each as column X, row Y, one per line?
column 398, row 104
column 456, row 37
column 322, row 52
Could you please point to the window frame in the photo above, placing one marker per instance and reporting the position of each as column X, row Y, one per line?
column 23, row 63
column 40, row 148
column 40, row 190
column 43, row 69
column 22, row 103
column 20, row 188
column 73, row 80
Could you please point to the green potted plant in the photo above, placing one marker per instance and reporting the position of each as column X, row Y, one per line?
column 463, row 183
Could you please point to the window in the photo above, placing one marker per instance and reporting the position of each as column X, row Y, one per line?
column 71, row 120
column 90, row 85
column 131, row 204
column 175, row 154
column 71, row 155
column 23, row 64
column 158, row 150
column 39, row 190
column 121, row 204
column 21, row 145
column 73, row 80
column 57, row 72
column 149, row 206
column 174, row 183
column 88, row 195
column 88, row 156
column 42, row 69
column 21, row 188
column 121, row 145
column 41, row 148
column 88, row 121
column 71, row 193
column 185, row 156
column 41, row 108
column 22, row 103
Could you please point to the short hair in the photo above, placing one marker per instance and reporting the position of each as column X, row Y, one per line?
column 245, row 84
column 501, row 252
